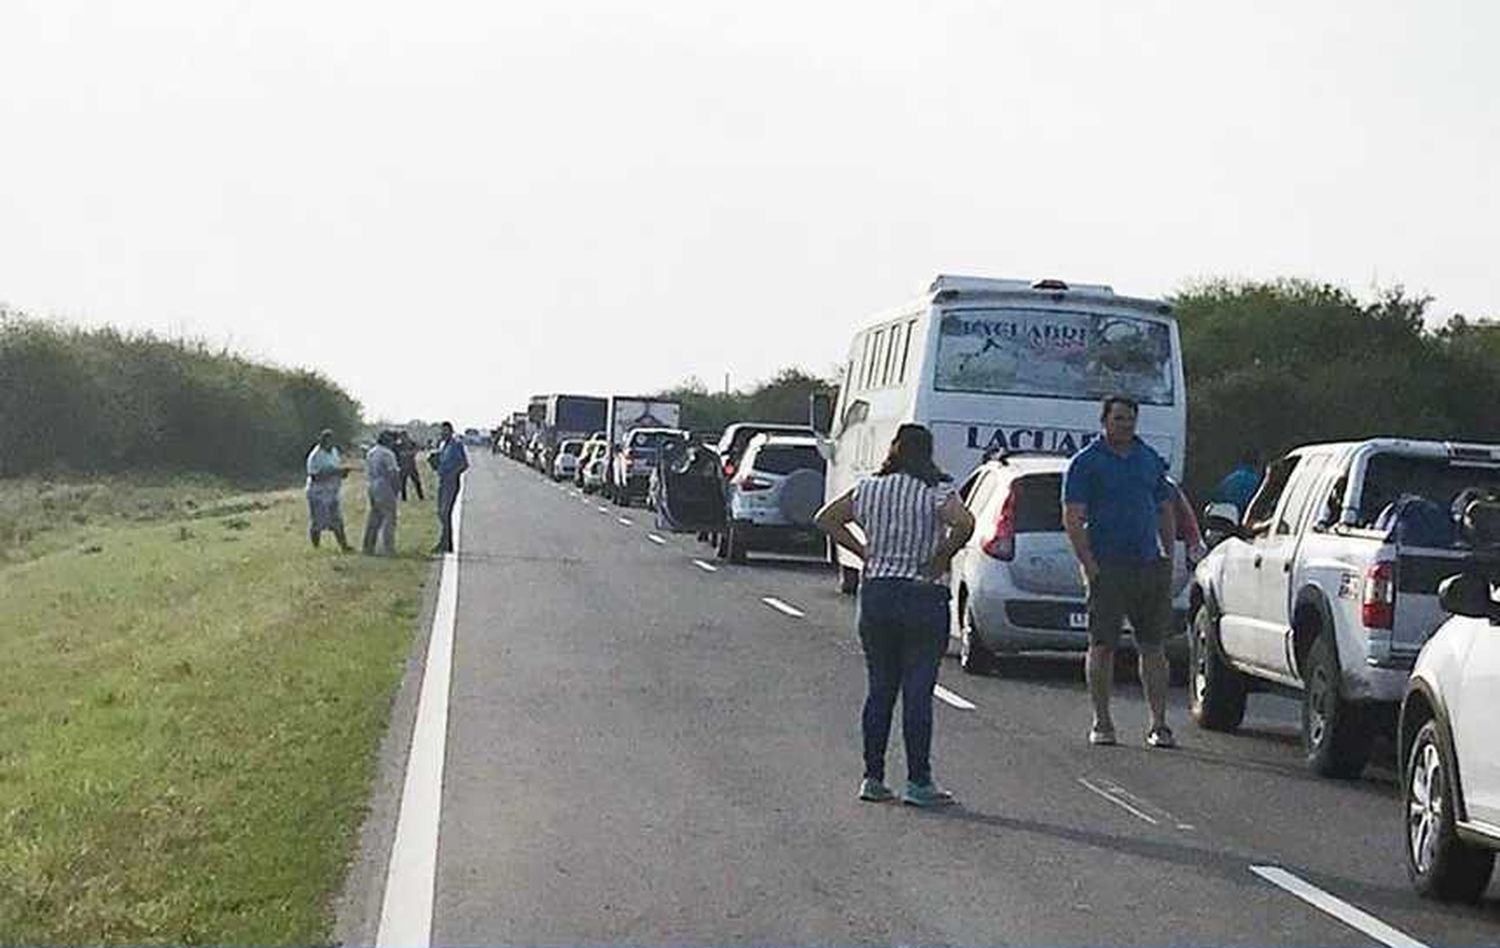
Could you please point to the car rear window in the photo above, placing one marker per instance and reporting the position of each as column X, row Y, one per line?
column 650, row 439
column 785, row 460
column 1039, row 503
column 572, row 447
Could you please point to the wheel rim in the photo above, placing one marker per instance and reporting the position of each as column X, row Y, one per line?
column 1200, row 661
column 1424, row 807
column 1319, row 695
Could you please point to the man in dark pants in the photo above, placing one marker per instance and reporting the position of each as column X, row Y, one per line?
column 406, row 459
column 452, row 461
column 1118, row 509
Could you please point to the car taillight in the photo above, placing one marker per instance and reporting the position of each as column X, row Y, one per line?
column 728, row 469
column 1000, row 542
column 750, row 483
column 1377, row 608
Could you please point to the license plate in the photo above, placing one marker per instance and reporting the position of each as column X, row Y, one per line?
column 1078, row 620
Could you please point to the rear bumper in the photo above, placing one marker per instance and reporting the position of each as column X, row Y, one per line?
column 1018, row 623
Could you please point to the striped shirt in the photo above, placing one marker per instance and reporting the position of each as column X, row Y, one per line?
column 899, row 516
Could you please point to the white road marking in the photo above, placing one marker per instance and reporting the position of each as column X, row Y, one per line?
column 411, row 875
column 706, row 567
column 604, row 509
column 1117, row 801
column 1338, row 908
column 625, row 521
column 656, row 539
column 958, row 701
column 783, row 607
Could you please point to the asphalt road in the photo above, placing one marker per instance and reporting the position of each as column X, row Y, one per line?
column 641, row 751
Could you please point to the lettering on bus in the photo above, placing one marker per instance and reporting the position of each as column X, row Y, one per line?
column 1065, row 441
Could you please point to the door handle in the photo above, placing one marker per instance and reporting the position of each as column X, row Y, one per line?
column 1258, row 559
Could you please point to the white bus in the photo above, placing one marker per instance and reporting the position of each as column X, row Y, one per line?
column 1004, row 365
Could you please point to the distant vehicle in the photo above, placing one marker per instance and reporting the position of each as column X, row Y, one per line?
column 1016, row 583
column 1327, row 588
column 773, row 495
column 736, row 438
column 565, row 461
column 1004, row 364
column 632, row 466
column 593, row 471
column 625, row 414
column 1451, row 760
column 565, row 417
column 592, row 449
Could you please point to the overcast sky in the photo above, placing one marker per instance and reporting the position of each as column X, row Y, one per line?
column 448, row 206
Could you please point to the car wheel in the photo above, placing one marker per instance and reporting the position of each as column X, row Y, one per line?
column 973, row 657
column 734, row 543
column 1216, row 692
column 1439, row 864
column 1336, row 734
column 848, row 580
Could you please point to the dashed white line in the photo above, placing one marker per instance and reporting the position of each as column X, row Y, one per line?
column 1338, row 908
column 958, row 701
column 604, row 510
column 656, row 539
column 624, row 521
column 783, row 607
column 1117, row 801
column 706, row 567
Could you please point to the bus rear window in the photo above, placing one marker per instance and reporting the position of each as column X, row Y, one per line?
column 1054, row 354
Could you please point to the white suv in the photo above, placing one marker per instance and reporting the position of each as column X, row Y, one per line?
column 1451, row 758
column 773, row 495
column 1016, row 584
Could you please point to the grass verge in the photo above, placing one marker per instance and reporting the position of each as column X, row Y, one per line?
column 190, row 709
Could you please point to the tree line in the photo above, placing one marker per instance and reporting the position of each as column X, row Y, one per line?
column 1270, row 365
column 97, row 401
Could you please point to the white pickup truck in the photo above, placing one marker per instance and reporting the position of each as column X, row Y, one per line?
column 1327, row 587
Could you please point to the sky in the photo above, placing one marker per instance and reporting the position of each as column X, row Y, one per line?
column 447, row 207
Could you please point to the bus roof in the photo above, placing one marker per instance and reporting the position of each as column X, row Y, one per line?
column 949, row 287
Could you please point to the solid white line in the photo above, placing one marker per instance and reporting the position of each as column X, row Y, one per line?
column 656, row 539
column 625, row 521
column 706, row 567
column 958, row 701
column 1118, row 802
column 1338, row 908
column 783, row 607
column 411, row 876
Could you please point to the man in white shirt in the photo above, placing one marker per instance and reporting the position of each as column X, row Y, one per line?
column 382, row 474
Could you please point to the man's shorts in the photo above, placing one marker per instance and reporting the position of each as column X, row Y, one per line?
column 1141, row 593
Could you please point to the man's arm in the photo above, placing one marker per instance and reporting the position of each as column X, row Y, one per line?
column 834, row 520
column 1074, row 518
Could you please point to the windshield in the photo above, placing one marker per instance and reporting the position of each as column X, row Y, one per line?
column 1052, row 354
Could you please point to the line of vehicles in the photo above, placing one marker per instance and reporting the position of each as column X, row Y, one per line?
column 1359, row 579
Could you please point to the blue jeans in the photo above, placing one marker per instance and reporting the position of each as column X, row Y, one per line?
column 903, row 626
column 447, row 496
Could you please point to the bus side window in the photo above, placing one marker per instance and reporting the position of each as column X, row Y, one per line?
column 892, row 352
column 911, row 328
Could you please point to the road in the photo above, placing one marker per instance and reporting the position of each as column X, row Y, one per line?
column 641, row 750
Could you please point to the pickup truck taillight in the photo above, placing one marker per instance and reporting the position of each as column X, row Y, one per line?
column 1000, row 542
column 1377, row 608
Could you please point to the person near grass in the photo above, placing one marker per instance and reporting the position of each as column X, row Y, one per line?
column 451, row 461
column 325, row 476
column 1119, row 513
column 406, row 456
column 382, row 474
column 913, row 523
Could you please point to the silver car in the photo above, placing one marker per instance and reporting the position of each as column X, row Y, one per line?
column 1016, row 585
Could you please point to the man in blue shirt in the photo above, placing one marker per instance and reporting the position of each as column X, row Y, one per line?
column 1239, row 485
column 452, row 461
column 1118, row 512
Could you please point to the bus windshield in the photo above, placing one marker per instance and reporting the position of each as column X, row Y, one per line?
column 1055, row 354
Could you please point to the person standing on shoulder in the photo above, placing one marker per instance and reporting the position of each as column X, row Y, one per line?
column 382, row 472
column 1118, row 509
column 325, row 476
column 913, row 524
column 406, row 457
column 452, row 461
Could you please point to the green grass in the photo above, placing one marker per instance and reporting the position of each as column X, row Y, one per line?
column 190, row 708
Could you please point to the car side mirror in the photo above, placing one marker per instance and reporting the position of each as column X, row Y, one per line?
column 826, row 448
column 1467, row 594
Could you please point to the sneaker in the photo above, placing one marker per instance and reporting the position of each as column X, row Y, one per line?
column 926, row 794
column 1160, row 736
column 1102, row 736
column 874, row 791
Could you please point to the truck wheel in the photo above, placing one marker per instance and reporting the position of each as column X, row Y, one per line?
column 973, row 657
column 1216, row 692
column 1440, row 865
column 1336, row 734
column 848, row 580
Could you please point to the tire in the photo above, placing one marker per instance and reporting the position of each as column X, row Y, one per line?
column 734, row 544
column 1216, row 692
column 1440, row 865
column 848, row 579
column 973, row 657
column 1336, row 734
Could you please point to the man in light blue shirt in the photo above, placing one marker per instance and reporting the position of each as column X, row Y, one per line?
column 452, row 461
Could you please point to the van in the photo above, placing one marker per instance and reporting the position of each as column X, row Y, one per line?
column 996, row 366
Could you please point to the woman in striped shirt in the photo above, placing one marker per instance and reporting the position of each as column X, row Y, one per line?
column 912, row 523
